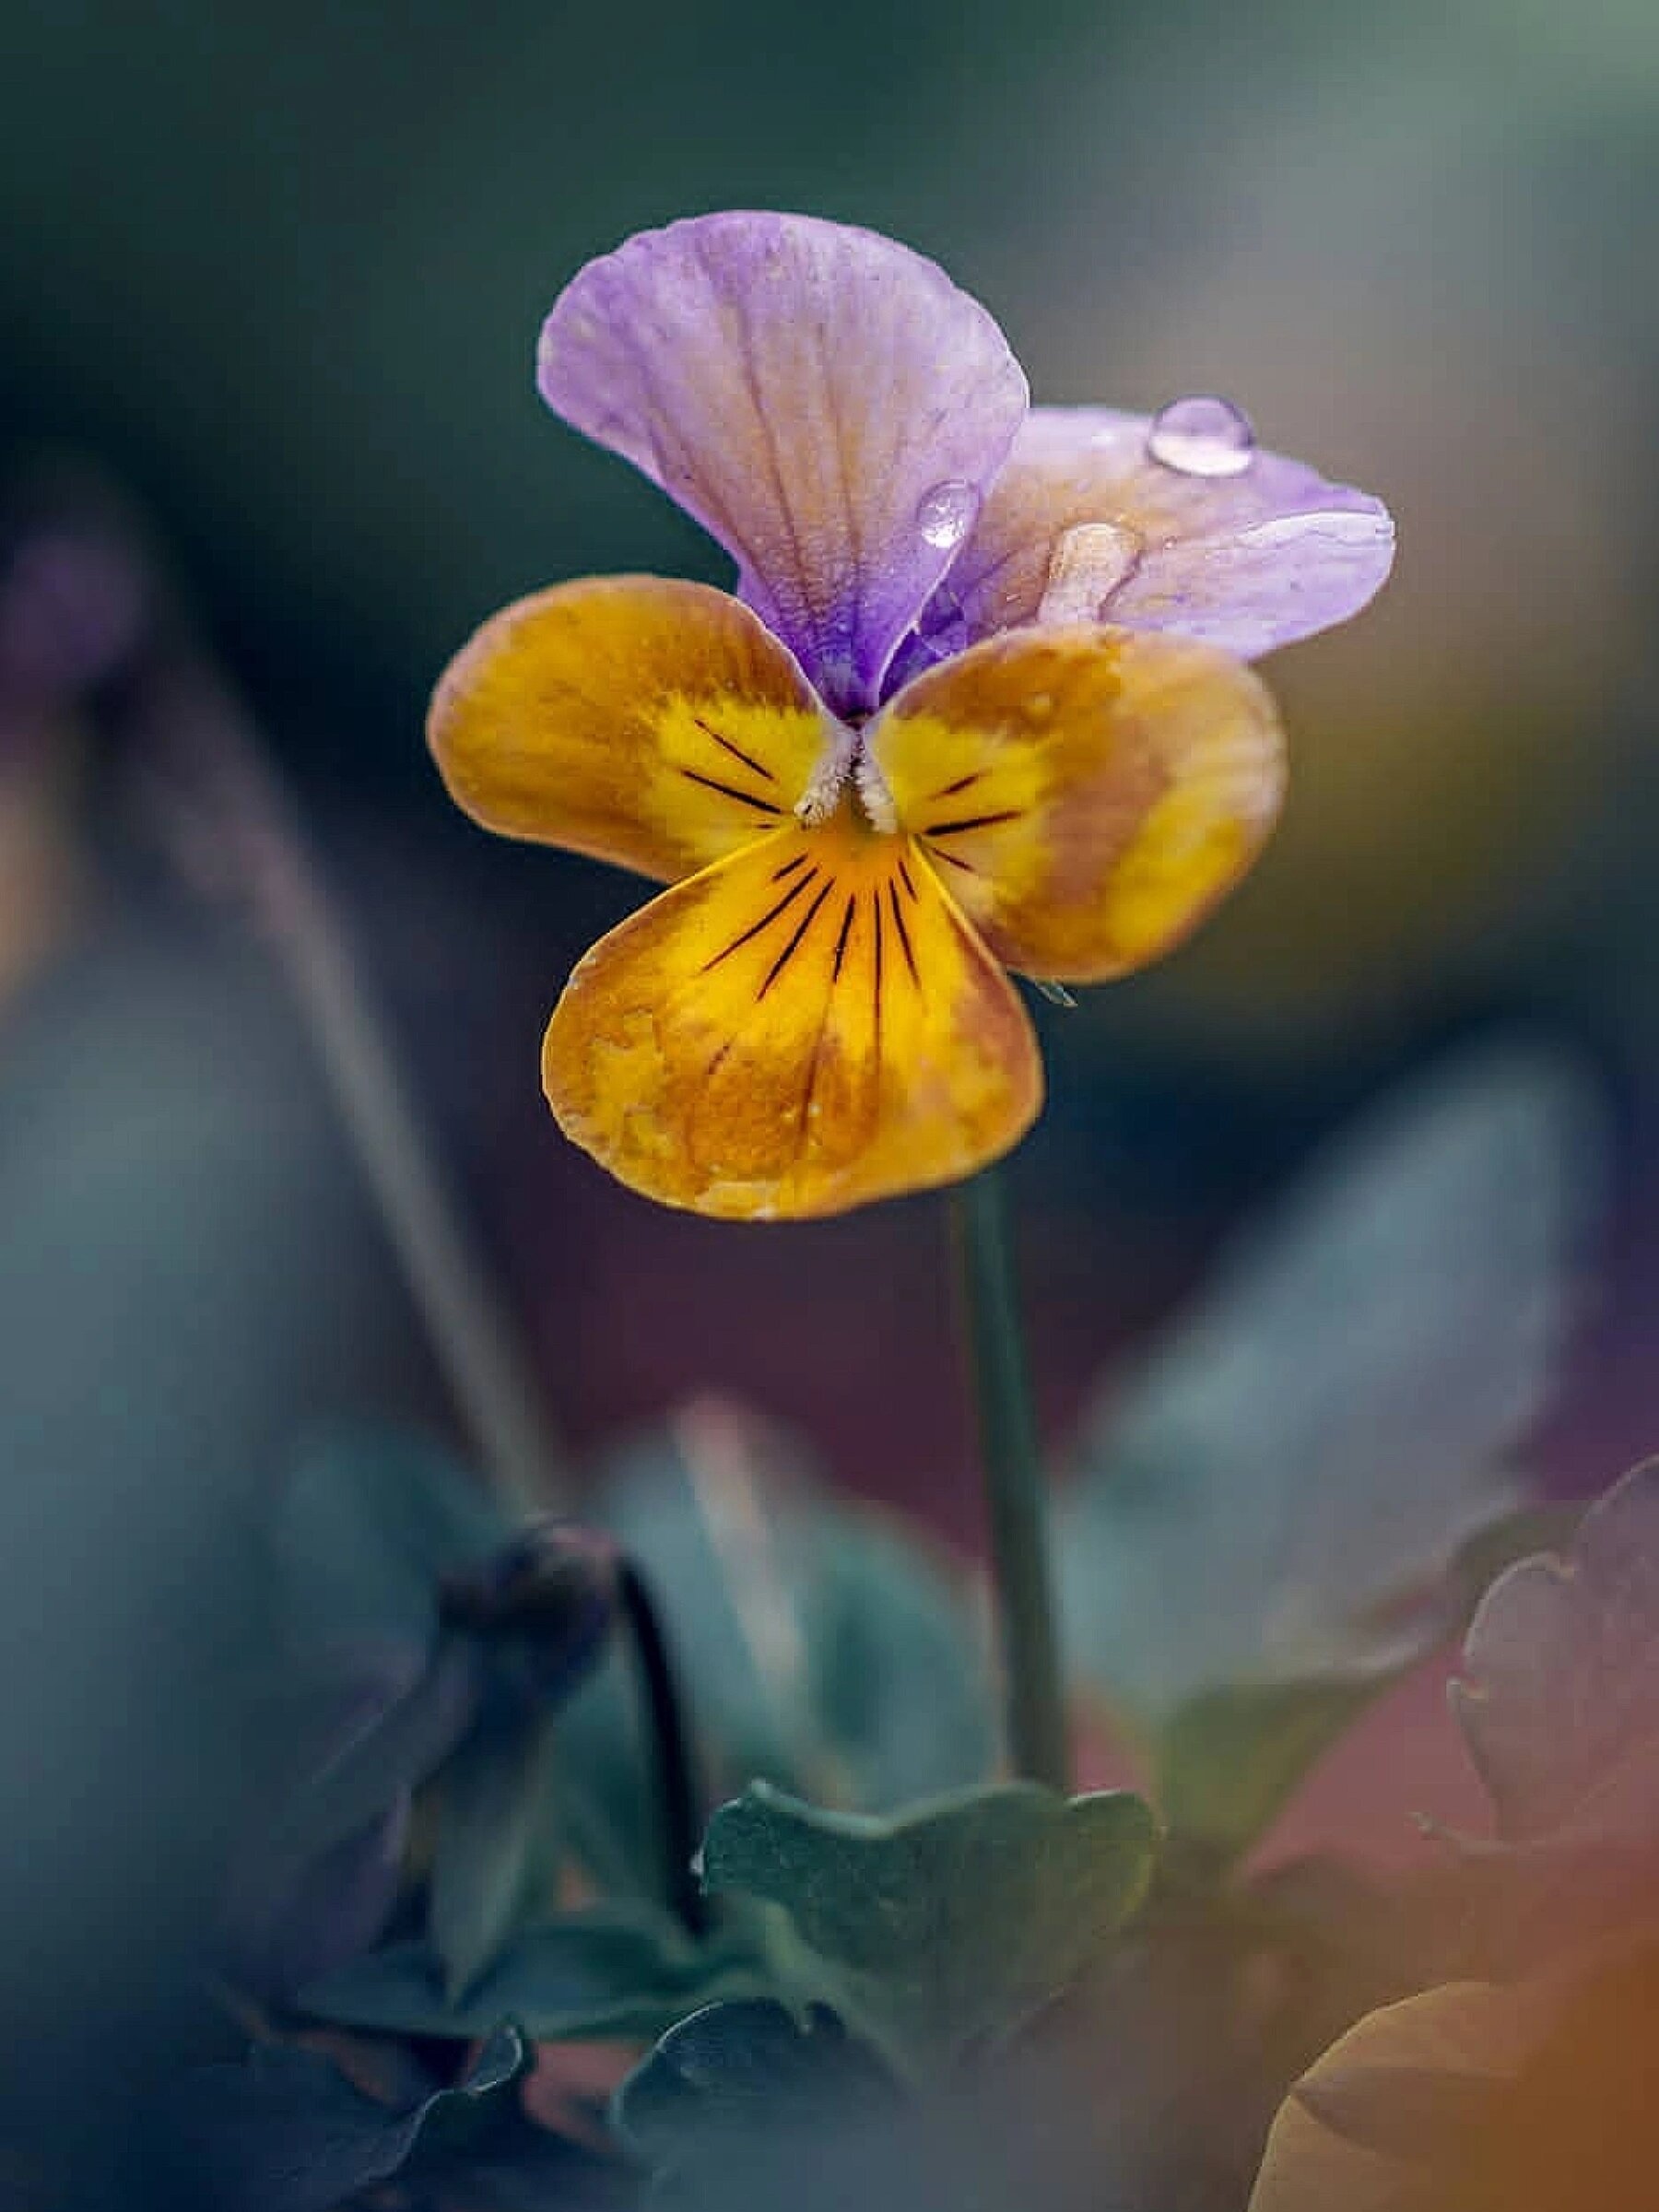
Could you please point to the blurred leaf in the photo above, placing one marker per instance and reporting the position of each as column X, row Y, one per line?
column 369, row 1522
column 391, row 1754
column 284, row 1927
column 1227, row 1759
column 1560, row 1699
column 493, row 1798
column 746, row 2099
column 286, row 2132
column 948, row 1923
column 820, row 1648
column 899, row 1684
column 1280, row 1498
column 605, row 1972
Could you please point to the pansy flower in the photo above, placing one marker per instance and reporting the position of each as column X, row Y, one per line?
column 976, row 705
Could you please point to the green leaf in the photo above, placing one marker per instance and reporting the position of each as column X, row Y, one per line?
column 494, row 1796
column 948, row 1923
column 741, row 2102
column 367, row 1524
column 286, row 2132
column 1226, row 1761
column 1280, row 1498
column 1560, row 1699
column 603, row 1972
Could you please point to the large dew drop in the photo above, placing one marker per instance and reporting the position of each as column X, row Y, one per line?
column 1201, row 437
column 947, row 513
column 1085, row 567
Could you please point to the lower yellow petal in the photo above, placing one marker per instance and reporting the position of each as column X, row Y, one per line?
column 1089, row 794
column 641, row 720
column 809, row 1025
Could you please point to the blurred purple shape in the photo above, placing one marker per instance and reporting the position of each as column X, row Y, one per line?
column 74, row 605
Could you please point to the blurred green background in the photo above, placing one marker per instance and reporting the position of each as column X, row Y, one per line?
column 277, row 272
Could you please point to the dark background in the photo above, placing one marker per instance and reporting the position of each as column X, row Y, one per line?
column 277, row 271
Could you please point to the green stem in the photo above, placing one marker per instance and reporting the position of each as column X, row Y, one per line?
column 1014, row 1482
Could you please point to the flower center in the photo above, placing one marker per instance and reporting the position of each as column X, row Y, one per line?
column 846, row 763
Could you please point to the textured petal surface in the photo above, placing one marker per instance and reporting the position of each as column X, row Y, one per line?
column 807, row 1026
column 647, row 722
column 825, row 402
column 1083, row 518
column 1089, row 794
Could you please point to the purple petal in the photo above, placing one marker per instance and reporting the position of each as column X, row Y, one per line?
column 825, row 401
column 1220, row 541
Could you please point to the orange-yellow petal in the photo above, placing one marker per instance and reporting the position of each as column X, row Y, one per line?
column 644, row 720
column 809, row 1025
column 1087, row 794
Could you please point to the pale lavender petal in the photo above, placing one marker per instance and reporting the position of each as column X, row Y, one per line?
column 1234, row 545
column 825, row 402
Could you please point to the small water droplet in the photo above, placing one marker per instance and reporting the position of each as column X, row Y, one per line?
column 948, row 512
column 1056, row 994
column 1201, row 437
column 1085, row 567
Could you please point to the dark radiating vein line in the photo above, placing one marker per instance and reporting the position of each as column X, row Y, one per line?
column 730, row 790
column 772, row 913
column 972, row 821
column 905, row 875
column 955, row 861
column 789, row 867
column 788, row 952
column 910, row 958
column 961, row 783
column 736, row 751
column 846, row 930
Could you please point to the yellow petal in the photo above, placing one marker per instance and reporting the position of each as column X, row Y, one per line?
column 645, row 721
column 1089, row 794
column 807, row 1026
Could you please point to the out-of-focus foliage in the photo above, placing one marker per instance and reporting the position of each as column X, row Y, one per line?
column 290, row 2130
column 465, row 1795
column 826, row 1650
column 1266, row 1520
column 421, row 1634
column 1560, row 1695
column 1514, row 2093
column 740, row 2103
column 901, row 1977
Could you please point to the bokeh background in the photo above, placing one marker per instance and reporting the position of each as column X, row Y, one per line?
column 274, row 273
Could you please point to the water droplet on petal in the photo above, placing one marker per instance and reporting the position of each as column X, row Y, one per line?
column 1085, row 567
column 948, row 512
column 1201, row 437
column 1355, row 527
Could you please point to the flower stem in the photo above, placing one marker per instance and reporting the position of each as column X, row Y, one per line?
column 674, row 1760
column 1013, row 1483
column 259, row 837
